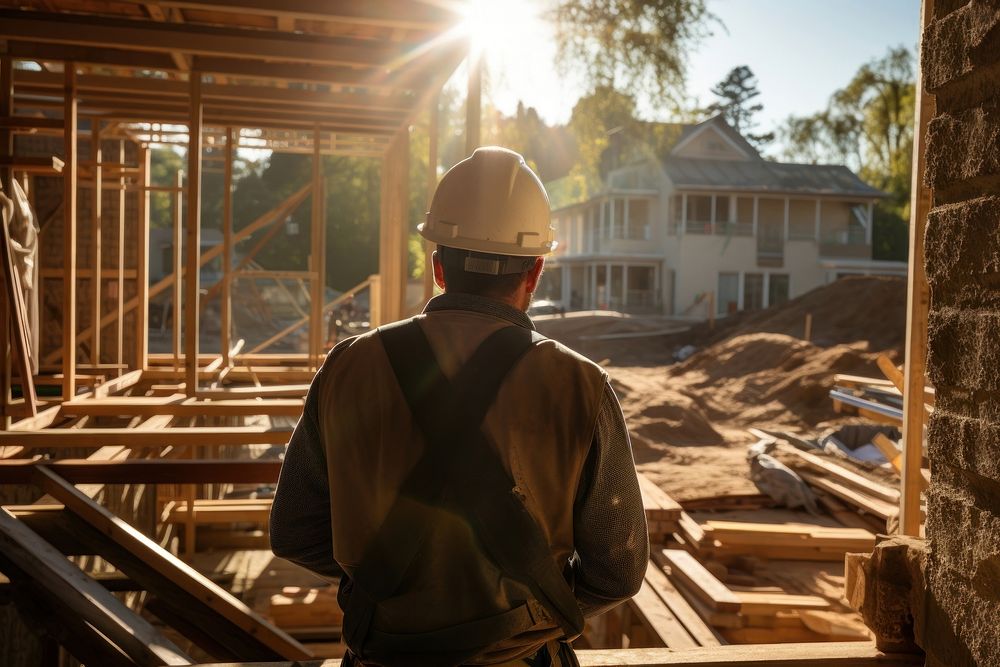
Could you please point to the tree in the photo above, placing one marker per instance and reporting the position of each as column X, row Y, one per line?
column 868, row 126
column 636, row 45
column 735, row 94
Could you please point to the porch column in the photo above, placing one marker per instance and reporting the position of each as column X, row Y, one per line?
column 819, row 204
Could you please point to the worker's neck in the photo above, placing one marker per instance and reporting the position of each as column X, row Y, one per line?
column 519, row 300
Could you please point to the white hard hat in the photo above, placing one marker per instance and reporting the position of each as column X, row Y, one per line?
column 491, row 202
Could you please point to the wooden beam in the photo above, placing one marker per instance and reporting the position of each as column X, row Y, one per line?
column 168, row 566
column 146, row 471
column 120, row 278
column 403, row 14
column 226, row 314
column 69, row 233
column 96, row 31
column 693, row 575
column 393, row 229
column 192, row 326
column 177, row 406
column 171, row 437
column 813, row 654
column 142, row 265
column 41, row 563
column 917, row 306
column 96, row 226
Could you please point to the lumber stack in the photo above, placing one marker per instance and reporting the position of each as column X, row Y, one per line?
column 297, row 608
column 786, row 542
column 747, row 614
column 662, row 512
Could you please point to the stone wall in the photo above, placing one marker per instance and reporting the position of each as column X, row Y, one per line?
column 961, row 68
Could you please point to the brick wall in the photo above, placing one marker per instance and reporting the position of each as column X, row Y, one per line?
column 961, row 68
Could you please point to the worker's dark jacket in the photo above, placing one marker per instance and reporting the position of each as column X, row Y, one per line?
column 558, row 430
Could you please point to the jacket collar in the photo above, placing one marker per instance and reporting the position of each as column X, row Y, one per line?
column 481, row 305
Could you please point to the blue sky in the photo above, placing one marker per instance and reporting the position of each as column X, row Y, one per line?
column 800, row 50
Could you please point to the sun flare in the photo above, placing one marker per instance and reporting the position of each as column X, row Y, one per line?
column 497, row 28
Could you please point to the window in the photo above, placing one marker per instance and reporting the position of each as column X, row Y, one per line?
column 699, row 209
column 729, row 294
column 777, row 289
column 753, row 291
column 722, row 209
column 638, row 219
column 802, row 219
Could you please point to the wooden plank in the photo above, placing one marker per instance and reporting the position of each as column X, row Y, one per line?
column 120, row 279
column 30, row 123
column 118, row 384
column 96, row 235
column 202, row 511
column 142, row 263
column 182, row 407
column 272, row 391
column 658, row 504
column 146, row 471
column 754, row 603
column 862, row 501
column 169, row 565
column 298, row 607
column 48, row 568
column 790, row 537
column 654, row 613
column 679, row 607
column 841, row 474
column 172, row 437
column 226, row 306
column 688, row 571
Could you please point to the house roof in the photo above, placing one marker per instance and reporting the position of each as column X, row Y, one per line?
column 766, row 176
column 719, row 123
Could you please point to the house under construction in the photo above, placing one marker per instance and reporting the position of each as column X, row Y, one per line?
column 150, row 471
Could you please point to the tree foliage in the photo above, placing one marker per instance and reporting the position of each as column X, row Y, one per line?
column 735, row 102
column 868, row 125
column 636, row 45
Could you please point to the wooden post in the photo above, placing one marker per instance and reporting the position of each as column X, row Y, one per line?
column 69, row 232
column 120, row 306
column 6, row 177
column 807, row 333
column 178, row 345
column 316, row 256
column 193, row 257
column 432, row 160
column 142, row 265
column 394, row 230
column 96, row 221
column 226, row 304
column 473, row 103
column 917, row 301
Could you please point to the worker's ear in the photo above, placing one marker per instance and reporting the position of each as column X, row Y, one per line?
column 531, row 282
column 438, row 271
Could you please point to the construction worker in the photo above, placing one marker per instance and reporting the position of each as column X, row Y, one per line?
column 468, row 481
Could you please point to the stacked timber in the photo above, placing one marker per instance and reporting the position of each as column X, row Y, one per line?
column 662, row 512
column 786, row 542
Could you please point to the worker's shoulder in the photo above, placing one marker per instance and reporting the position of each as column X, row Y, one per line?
column 553, row 349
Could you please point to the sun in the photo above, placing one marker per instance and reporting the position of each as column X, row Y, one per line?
column 496, row 28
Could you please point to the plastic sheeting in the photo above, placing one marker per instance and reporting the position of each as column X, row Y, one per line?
column 23, row 228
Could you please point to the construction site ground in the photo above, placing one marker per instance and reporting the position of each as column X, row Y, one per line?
column 689, row 420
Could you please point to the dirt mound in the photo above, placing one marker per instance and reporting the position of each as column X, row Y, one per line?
column 868, row 309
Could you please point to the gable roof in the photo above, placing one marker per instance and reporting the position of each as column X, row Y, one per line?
column 718, row 123
column 765, row 176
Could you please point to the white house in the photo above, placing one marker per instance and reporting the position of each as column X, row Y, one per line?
column 712, row 221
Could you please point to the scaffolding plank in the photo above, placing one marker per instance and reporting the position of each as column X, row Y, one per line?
column 177, row 406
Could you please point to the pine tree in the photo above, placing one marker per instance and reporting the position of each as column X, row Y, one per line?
column 735, row 94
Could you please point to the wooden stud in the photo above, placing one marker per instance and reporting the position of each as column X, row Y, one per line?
column 6, row 175
column 316, row 255
column 142, row 266
column 69, row 232
column 120, row 292
column 193, row 263
column 226, row 315
column 177, row 283
column 97, row 233
column 917, row 305
column 393, row 231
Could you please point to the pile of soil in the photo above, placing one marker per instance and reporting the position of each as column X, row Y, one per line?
column 688, row 420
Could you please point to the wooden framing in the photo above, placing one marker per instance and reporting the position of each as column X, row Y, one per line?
column 226, row 313
column 69, row 232
column 917, row 305
column 193, row 238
